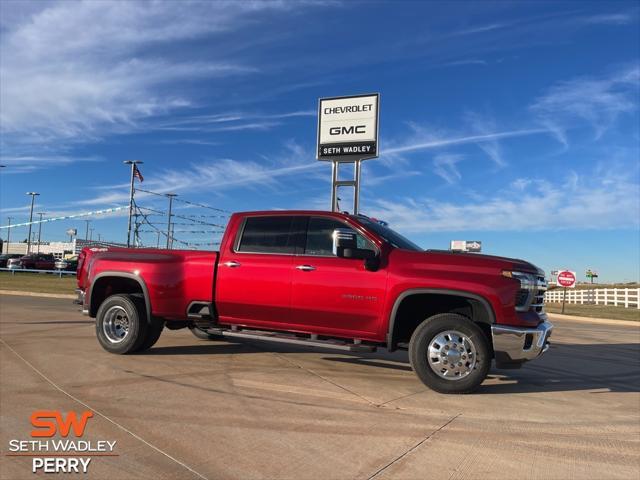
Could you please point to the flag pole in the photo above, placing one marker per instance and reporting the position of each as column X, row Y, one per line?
column 133, row 164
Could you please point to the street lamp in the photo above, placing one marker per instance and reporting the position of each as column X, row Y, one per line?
column 133, row 164
column 33, row 199
column 40, row 228
column 169, row 235
column 9, row 232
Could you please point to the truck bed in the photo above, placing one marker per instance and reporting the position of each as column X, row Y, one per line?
column 173, row 279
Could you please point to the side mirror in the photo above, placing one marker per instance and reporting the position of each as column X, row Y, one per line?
column 343, row 238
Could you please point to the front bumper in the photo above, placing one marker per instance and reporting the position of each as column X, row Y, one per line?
column 515, row 345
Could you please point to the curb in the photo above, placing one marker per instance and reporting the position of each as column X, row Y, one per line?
column 601, row 321
column 36, row 294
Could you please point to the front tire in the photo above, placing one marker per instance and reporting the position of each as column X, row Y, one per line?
column 450, row 354
column 121, row 324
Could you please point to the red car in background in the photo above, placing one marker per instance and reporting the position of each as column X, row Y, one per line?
column 37, row 261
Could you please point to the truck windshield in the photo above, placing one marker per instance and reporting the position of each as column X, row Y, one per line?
column 391, row 236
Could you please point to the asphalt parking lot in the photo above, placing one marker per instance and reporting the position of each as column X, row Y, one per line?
column 250, row 410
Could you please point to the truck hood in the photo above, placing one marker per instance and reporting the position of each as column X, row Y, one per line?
column 473, row 260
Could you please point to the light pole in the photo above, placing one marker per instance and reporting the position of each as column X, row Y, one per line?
column 9, row 232
column 33, row 199
column 91, row 234
column 40, row 228
column 171, row 196
column 133, row 164
column 86, row 231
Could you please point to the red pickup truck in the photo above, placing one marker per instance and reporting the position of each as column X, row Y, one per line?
column 325, row 279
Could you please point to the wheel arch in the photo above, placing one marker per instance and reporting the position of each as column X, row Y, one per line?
column 482, row 311
column 124, row 283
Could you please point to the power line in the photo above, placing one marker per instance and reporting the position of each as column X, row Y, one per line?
column 188, row 215
column 184, row 218
column 158, row 231
column 209, row 232
column 201, row 205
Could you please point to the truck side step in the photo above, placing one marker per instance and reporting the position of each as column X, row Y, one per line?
column 292, row 339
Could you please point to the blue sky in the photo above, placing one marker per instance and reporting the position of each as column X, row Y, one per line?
column 512, row 123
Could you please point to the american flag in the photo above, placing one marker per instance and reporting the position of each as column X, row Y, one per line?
column 137, row 174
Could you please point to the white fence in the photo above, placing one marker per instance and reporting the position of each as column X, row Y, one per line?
column 619, row 297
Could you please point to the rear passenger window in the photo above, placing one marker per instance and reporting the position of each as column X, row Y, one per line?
column 268, row 235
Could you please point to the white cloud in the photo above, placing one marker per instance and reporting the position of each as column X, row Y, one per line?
column 597, row 102
column 230, row 121
column 601, row 200
column 17, row 164
column 469, row 61
column 417, row 144
column 219, row 175
column 623, row 18
column 444, row 165
column 484, row 125
column 72, row 70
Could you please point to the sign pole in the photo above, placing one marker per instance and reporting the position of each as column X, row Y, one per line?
column 356, row 189
column 564, row 298
column 334, row 186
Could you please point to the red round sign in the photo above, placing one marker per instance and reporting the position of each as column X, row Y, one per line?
column 566, row 278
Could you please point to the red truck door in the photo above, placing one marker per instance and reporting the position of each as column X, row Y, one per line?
column 253, row 285
column 335, row 295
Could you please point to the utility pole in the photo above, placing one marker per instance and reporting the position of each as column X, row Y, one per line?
column 40, row 228
column 171, row 196
column 33, row 199
column 86, row 230
column 9, row 232
column 91, row 233
column 133, row 164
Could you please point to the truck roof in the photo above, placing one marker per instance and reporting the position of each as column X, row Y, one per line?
column 293, row 212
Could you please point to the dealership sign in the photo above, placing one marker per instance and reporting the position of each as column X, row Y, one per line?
column 474, row 246
column 348, row 127
column 566, row 279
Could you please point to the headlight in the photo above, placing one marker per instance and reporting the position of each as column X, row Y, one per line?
column 525, row 294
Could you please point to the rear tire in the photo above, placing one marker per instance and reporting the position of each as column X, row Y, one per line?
column 450, row 353
column 203, row 335
column 153, row 334
column 121, row 324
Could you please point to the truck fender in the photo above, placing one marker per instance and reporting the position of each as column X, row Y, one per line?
column 420, row 291
column 130, row 276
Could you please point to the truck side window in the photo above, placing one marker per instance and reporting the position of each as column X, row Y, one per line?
column 268, row 235
column 319, row 240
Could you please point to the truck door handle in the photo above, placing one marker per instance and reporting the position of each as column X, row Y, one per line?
column 306, row 268
column 232, row 264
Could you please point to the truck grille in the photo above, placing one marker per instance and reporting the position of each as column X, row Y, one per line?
column 538, row 294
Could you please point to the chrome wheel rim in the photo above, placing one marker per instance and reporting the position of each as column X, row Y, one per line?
column 116, row 324
column 452, row 355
